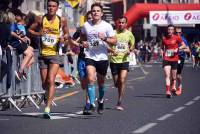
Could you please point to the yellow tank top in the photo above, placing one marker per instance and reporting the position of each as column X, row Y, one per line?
column 51, row 38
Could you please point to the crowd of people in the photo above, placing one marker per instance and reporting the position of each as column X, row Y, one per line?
column 98, row 46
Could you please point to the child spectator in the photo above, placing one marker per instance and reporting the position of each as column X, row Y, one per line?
column 21, row 42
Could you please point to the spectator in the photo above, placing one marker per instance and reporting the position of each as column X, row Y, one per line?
column 21, row 42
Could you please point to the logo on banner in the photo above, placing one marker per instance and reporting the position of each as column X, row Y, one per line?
column 187, row 16
column 174, row 17
column 156, row 16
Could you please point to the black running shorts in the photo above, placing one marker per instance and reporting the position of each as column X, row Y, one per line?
column 101, row 66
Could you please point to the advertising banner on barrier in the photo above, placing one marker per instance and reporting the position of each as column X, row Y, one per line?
column 174, row 17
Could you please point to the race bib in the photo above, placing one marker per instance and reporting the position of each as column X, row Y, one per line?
column 94, row 44
column 169, row 53
column 49, row 40
column 121, row 47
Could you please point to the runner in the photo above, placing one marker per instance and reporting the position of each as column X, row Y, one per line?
column 170, row 50
column 81, row 64
column 49, row 60
column 119, row 63
column 95, row 37
column 181, row 61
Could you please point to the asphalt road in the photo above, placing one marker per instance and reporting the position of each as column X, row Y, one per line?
column 147, row 110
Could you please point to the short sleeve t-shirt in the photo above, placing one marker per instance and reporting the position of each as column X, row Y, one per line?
column 18, row 29
column 170, row 44
column 125, row 40
column 97, row 49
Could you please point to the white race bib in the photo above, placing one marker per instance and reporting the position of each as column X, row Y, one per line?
column 169, row 53
column 49, row 40
column 95, row 43
column 121, row 47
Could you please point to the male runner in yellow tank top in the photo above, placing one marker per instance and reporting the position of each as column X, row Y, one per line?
column 49, row 59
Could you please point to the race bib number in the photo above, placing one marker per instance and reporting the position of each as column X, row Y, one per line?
column 49, row 40
column 94, row 44
column 169, row 53
column 121, row 47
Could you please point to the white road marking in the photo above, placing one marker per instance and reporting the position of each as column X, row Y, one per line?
column 196, row 98
column 4, row 119
column 145, row 72
column 178, row 109
column 33, row 114
column 147, row 66
column 144, row 128
column 58, row 117
column 139, row 78
column 189, row 103
column 164, row 117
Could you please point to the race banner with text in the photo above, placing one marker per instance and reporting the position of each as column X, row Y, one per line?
column 175, row 17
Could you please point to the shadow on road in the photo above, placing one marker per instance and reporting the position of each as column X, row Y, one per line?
column 151, row 96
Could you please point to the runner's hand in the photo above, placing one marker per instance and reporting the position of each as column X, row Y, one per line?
column 85, row 44
column 176, row 50
column 101, row 36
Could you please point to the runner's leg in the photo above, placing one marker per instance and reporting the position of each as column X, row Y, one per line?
column 51, row 74
column 121, row 87
column 167, row 71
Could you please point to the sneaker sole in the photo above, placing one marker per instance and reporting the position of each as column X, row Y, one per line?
column 16, row 74
column 119, row 108
column 24, row 77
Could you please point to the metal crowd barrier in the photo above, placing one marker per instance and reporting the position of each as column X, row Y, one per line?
column 12, row 89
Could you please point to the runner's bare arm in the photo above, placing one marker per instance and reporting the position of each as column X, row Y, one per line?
column 65, row 29
column 110, row 40
column 186, row 48
column 183, row 46
column 33, row 26
column 83, row 40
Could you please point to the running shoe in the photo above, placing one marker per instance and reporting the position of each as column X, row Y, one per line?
column 88, row 109
column 24, row 76
column 168, row 94
column 18, row 75
column 46, row 114
column 120, row 108
column 100, row 107
column 178, row 91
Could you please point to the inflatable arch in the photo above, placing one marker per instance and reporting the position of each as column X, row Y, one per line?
column 138, row 11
